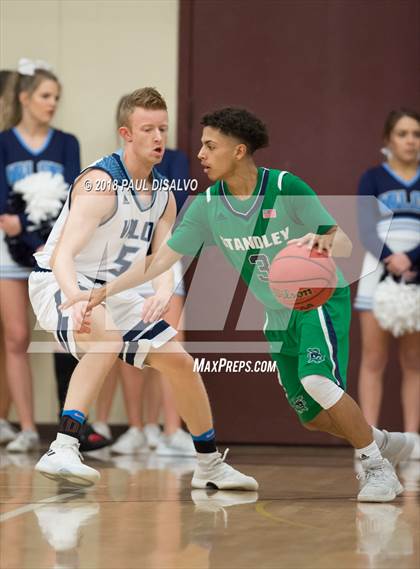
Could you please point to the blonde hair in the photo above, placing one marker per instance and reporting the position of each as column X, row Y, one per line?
column 147, row 98
column 8, row 89
column 118, row 114
column 14, row 84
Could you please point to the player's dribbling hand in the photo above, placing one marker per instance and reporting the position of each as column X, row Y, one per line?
column 155, row 306
column 322, row 243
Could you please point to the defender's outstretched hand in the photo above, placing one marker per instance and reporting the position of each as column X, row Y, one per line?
column 91, row 297
column 81, row 317
column 155, row 307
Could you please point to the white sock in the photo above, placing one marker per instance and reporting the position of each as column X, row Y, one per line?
column 379, row 437
column 66, row 439
column 369, row 455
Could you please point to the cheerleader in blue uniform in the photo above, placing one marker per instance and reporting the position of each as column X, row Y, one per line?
column 37, row 163
column 396, row 245
column 7, row 431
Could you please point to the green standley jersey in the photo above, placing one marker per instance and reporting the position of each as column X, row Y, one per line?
column 250, row 232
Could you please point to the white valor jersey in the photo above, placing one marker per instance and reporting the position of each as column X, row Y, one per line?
column 125, row 236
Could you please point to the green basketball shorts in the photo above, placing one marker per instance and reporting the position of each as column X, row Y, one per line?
column 315, row 342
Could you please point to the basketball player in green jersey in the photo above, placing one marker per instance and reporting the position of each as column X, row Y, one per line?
column 251, row 213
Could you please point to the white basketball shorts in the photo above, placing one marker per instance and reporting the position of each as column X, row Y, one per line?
column 124, row 308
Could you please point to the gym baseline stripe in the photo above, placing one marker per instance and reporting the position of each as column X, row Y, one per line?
column 31, row 507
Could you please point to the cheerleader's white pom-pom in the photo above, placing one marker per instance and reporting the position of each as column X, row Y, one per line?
column 43, row 193
column 396, row 306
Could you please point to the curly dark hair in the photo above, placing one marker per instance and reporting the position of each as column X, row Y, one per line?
column 240, row 123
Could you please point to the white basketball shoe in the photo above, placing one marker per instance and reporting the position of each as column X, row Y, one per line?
column 213, row 472
column 25, row 441
column 178, row 444
column 152, row 433
column 396, row 447
column 130, row 442
column 63, row 461
column 379, row 483
column 7, row 432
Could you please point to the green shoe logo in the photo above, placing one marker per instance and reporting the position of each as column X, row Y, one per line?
column 314, row 356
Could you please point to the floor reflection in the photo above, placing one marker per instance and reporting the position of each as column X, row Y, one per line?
column 62, row 525
column 143, row 513
column 382, row 533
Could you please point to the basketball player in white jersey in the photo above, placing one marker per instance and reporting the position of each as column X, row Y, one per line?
column 116, row 209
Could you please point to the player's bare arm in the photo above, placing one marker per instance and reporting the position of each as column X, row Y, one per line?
column 140, row 272
column 334, row 242
column 143, row 270
column 163, row 284
column 89, row 208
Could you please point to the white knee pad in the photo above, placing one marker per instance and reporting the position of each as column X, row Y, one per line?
column 323, row 390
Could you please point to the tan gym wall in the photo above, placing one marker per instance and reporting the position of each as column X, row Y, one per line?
column 99, row 51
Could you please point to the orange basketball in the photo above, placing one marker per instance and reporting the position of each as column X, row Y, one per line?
column 302, row 279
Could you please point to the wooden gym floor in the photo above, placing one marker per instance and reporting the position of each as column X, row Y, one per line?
column 143, row 514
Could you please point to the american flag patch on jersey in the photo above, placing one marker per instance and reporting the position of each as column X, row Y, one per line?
column 269, row 213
